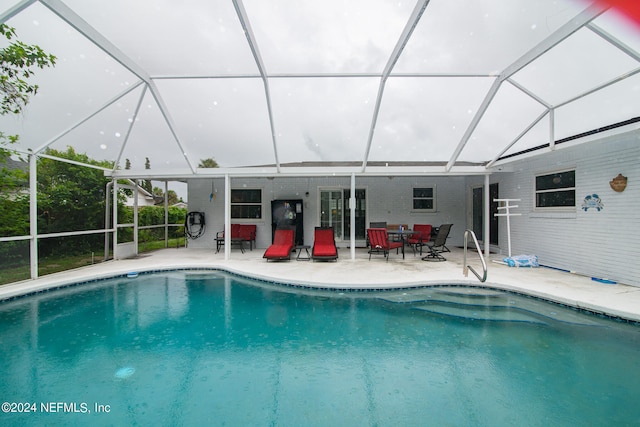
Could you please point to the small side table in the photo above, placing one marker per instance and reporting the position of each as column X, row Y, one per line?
column 299, row 248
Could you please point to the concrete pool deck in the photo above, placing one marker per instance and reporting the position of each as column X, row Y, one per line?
column 575, row 290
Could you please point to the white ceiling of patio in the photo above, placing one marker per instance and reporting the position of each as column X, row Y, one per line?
column 272, row 82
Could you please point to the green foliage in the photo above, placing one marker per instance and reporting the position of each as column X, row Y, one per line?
column 172, row 196
column 145, row 183
column 154, row 215
column 208, row 163
column 14, row 213
column 14, row 221
column 17, row 63
column 70, row 198
column 13, row 176
column 14, row 210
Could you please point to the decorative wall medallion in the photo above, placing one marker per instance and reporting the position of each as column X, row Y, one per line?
column 619, row 183
column 592, row 201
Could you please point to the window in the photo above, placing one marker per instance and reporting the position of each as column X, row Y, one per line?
column 246, row 204
column 424, row 199
column 556, row 190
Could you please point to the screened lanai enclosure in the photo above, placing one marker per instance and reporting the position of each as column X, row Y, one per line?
column 322, row 88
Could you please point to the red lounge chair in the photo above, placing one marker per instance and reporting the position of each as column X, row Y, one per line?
column 420, row 236
column 324, row 244
column 379, row 242
column 282, row 245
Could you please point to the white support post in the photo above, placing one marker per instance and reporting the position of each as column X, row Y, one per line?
column 352, row 218
column 506, row 206
column 227, row 217
column 115, row 219
column 487, row 222
column 166, row 214
column 135, row 218
column 107, row 216
column 33, row 215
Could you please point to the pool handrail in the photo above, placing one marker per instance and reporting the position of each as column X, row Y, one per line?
column 466, row 267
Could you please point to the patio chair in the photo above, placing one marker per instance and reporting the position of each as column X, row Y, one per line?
column 283, row 243
column 324, row 245
column 376, row 224
column 380, row 243
column 421, row 235
column 437, row 245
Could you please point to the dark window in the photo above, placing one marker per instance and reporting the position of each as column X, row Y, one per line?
column 246, row 204
column 556, row 190
column 424, row 198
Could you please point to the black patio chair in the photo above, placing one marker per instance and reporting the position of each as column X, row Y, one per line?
column 437, row 245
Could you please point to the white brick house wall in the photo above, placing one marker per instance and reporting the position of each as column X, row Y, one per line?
column 603, row 244
column 387, row 200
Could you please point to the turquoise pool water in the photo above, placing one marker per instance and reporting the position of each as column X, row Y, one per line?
column 208, row 348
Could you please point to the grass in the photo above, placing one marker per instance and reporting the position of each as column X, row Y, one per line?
column 56, row 264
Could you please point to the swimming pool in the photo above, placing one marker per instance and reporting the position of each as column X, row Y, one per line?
column 196, row 347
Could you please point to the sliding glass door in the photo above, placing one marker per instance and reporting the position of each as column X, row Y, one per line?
column 331, row 208
column 335, row 212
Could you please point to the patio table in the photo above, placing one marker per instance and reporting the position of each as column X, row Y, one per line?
column 235, row 241
column 402, row 236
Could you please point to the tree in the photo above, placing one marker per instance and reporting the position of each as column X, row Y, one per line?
column 172, row 196
column 71, row 198
column 208, row 163
column 17, row 63
column 146, row 184
column 157, row 191
column 14, row 200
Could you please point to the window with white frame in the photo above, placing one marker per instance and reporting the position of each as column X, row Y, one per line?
column 424, row 199
column 556, row 190
column 246, row 204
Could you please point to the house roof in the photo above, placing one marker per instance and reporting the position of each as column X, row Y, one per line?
column 440, row 86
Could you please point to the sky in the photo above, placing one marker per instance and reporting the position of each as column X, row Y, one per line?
column 323, row 98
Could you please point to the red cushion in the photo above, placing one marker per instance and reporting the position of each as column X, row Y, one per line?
column 324, row 243
column 422, row 234
column 235, row 231
column 417, row 238
column 277, row 251
column 282, row 245
column 394, row 245
column 324, row 250
column 247, row 231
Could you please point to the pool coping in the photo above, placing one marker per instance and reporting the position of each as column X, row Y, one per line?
column 24, row 289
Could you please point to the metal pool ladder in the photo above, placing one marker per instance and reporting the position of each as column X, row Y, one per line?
column 466, row 268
